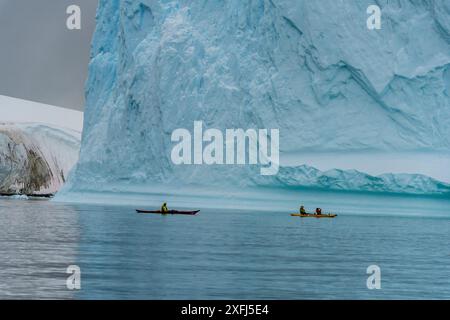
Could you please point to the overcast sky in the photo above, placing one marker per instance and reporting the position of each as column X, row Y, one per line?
column 40, row 59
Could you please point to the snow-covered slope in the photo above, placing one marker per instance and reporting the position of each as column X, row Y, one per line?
column 36, row 157
column 13, row 110
column 309, row 68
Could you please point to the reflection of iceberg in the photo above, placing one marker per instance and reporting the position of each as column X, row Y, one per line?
column 41, row 241
column 119, row 254
column 159, row 66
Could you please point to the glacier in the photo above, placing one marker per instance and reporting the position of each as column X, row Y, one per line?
column 39, row 145
column 14, row 110
column 311, row 69
column 35, row 159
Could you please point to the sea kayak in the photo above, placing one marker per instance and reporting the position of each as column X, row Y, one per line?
column 310, row 215
column 189, row 213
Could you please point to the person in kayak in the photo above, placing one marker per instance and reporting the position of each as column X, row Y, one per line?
column 302, row 210
column 164, row 208
column 318, row 211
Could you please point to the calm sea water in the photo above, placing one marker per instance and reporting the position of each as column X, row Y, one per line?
column 227, row 254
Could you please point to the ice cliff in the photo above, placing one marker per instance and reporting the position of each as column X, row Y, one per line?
column 309, row 68
column 35, row 159
column 39, row 145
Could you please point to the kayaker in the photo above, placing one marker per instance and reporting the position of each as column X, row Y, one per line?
column 318, row 211
column 302, row 210
column 164, row 208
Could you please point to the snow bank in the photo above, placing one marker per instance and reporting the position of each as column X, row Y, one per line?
column 15, row 110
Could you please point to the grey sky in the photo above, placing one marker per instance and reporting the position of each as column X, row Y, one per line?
column 40, row 59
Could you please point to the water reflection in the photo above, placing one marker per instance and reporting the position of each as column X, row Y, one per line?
column 38, row 241
column 226, row 254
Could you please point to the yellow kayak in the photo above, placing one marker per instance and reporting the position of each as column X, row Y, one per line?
column 310, row 215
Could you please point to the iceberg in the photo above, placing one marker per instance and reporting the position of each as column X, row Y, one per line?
column 311, row 69
column 36, row 157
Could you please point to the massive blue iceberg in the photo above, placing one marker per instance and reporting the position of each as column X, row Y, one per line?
column 311, row 69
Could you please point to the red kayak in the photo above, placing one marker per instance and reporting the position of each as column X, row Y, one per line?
column 189, row 213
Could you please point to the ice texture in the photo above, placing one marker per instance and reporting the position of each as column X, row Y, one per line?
column 353, row 180
column 35, row 159
column 39, row 145
column 311, row 69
